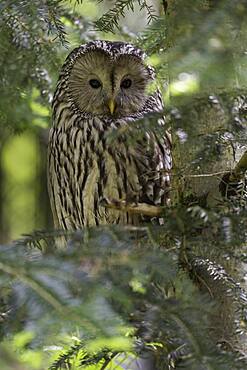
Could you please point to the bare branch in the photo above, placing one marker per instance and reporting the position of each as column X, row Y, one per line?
column 134, row 208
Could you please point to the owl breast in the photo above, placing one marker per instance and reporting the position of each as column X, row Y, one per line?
column 84, row 168
column 86, row 163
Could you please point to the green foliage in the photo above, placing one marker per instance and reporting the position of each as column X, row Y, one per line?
column 110, row 20
column 31, row 36
column 104, row 298
column 116, row 294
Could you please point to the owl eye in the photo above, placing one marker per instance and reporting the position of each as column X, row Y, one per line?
column 126, row 83
column 95, row 84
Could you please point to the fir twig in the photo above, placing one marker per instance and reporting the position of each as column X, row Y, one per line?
column 110, row 20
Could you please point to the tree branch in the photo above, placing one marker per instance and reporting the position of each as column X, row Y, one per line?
column 133, row 208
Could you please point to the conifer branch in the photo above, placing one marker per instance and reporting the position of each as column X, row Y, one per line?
column 110, row 20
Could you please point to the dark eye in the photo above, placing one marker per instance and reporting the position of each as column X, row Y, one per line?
column 95, row 84
column 125, row 84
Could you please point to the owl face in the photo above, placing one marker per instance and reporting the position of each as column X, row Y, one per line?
column 108, row 82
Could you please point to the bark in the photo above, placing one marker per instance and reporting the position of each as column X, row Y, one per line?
column 209, row 151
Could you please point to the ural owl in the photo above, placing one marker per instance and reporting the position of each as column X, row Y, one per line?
column 95, row 148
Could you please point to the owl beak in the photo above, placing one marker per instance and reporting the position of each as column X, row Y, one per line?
column 112, row 105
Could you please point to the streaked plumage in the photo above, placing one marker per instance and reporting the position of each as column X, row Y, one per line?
column 85, row 161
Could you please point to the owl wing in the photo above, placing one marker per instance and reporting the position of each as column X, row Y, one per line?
column 154, row 162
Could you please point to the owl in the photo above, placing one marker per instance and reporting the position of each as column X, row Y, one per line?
column 96, row 147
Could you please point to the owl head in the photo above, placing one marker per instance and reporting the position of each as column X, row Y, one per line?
column 107, row 78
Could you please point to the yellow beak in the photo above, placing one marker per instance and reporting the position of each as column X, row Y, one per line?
column 111, row 105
